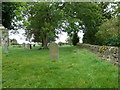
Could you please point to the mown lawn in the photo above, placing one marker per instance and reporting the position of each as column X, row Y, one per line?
column 76, row 68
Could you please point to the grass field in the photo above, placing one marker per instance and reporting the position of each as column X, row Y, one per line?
column 76, row 68
column 0, row 67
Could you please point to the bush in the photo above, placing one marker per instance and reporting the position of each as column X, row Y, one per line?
column 60, row 43
column 114, row 41
column 75, row 39
column 108, row 33
column 14, row 42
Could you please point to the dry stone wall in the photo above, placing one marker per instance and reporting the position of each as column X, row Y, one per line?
column 105, row 52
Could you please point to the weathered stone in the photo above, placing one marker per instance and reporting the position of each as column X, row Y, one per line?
column 23, row 45
column 105, row 52
column 4, row 38
column 54, row 51
column 28, row 46
column 0, row 37
column 6, row 41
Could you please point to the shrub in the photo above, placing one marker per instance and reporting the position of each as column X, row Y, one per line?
column 75, row 39
column 108, row 33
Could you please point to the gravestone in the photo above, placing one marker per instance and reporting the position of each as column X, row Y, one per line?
column 0, row 37
column 54, row 51
column 23, row 45
column 6, row 41
column 28, row 46
column 2, row 28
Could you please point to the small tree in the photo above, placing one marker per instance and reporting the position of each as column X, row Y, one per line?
column 14, row 42
column 75, row 39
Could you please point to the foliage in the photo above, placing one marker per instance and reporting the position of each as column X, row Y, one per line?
column 92, row 19
column 72, row 29
column 80, row 69
column 8, row 14
column 69, row 40
column 108, row 33
column 13, row 42
column 114, row 41
column 0, row 12
column 88, row 15
column 105, row 13
column 75, row 39
column 44, row 19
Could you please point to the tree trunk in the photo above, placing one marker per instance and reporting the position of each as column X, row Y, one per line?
column 45, row 42
column 30, row 46
column 42, row 42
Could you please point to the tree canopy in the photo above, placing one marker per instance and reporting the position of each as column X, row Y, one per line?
column 44, row 20
column 8, row 14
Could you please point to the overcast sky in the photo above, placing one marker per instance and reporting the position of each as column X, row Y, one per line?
column 20, row 37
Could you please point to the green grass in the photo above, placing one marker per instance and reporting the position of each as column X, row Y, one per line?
column 0, row 67
column 76, row 68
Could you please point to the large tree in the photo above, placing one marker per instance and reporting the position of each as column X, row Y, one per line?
column 44, row 19
column 108, row 31
column 89, row 15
